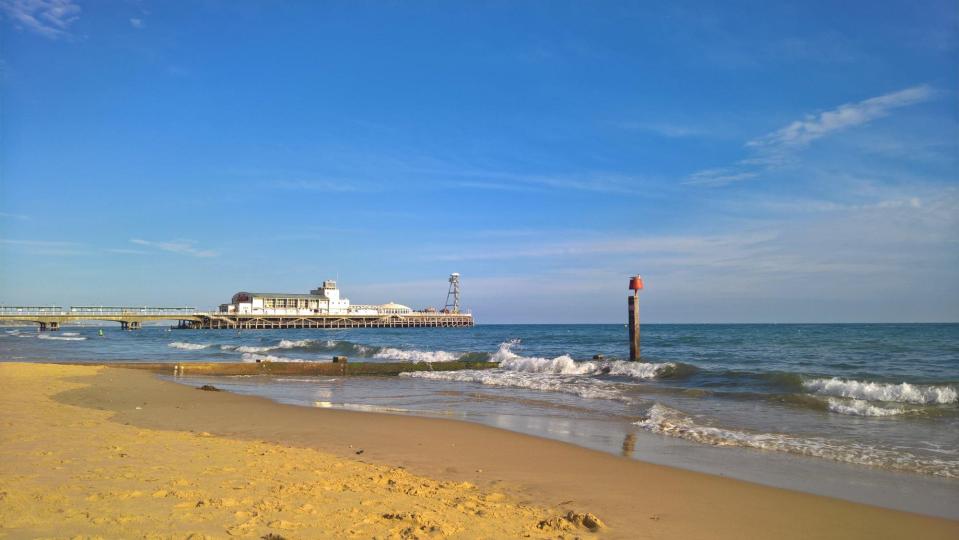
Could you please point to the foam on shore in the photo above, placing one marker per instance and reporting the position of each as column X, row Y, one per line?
column 877, row 391
column 664, row 420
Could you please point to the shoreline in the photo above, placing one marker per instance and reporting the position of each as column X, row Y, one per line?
column 635, row 498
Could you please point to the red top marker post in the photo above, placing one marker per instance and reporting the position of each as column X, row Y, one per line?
column 635, row 285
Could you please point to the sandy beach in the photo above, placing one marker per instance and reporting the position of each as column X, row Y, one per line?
column 103, row 452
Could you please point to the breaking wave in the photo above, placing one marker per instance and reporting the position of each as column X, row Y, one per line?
column 415, row 355
column 874, row 391
column 60, row 338
column 666, row 421
column 580, row 386
column 283, row 344
column 565, row 365
column 859, row 407
column 253, row 357
column 188, row 346
column 560, row 374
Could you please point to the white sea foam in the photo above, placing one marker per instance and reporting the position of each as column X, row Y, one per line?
column 283, row 344
column 188, row 346
column 875, row 391
column 565, row 365
column 561, row 365
column 247, row 348
column 666, row 421
column 581, row 386
column 253, row 357
column 859, row 407
column 71, row 334
column 59, row 338
column 415, row 356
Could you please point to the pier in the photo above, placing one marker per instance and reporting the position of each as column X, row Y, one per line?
column 51, row 318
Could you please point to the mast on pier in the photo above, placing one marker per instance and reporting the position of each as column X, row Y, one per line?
column 453, row 296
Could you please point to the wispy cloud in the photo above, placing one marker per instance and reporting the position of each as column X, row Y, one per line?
column 49, row 18
column 665, row 129
column 719, row 177
column 815, row 126
column 137, row 23
column 183, row 247
column 503, row 181
column 318, row 185
column 780, row 147
column 125, row 251
column 6, row 215
column 46, row 247
column 37, row 243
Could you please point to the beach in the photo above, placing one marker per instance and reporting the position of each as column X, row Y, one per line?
column 99, row 451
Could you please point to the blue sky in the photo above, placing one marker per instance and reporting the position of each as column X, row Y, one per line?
column 754, row 161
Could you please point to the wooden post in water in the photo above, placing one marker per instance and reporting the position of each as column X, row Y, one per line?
column 635, row 285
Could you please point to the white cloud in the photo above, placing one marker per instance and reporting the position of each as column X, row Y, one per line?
column 718, row 177
column 802, row 132
column 780, row 147
column 13, row 216
column 49, row 18
column 183, row 247
column 136, row 23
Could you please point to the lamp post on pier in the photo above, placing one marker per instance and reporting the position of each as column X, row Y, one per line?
column 635, row 285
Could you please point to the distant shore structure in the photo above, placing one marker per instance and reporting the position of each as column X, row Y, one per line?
column 324, row 300
column 321, row 308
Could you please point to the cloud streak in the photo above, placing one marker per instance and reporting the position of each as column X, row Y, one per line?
column 49, row 18
column 802, row 132
column 182, row 247
column 780, row 147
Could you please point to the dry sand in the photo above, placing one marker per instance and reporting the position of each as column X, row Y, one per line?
column 68, row 470
column 120, row 454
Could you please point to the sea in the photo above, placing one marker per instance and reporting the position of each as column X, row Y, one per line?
column 865, row 412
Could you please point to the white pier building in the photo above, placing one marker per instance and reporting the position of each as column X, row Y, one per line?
column 324, row 300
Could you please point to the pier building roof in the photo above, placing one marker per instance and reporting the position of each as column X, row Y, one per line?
column 282, row 295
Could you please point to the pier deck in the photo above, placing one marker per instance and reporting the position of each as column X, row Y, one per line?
column 131, row 318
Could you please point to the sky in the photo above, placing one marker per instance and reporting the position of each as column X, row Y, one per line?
column 753, row 161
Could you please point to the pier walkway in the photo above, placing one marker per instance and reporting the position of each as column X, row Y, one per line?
column 132, row 318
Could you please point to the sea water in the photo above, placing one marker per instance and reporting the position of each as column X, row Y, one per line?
column 814, row 407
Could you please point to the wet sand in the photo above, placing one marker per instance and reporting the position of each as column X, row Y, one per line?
column 115, row 452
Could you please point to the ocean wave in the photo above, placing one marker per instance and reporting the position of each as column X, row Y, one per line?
column 415, row 355
column 188, row 346
column 666, row 421
column 253, row 357
column 566, row 365
column 283, row 344
column 71, row 334
column 59, row 338
column 859, row 407
column 875, row 391
column 582, row 387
